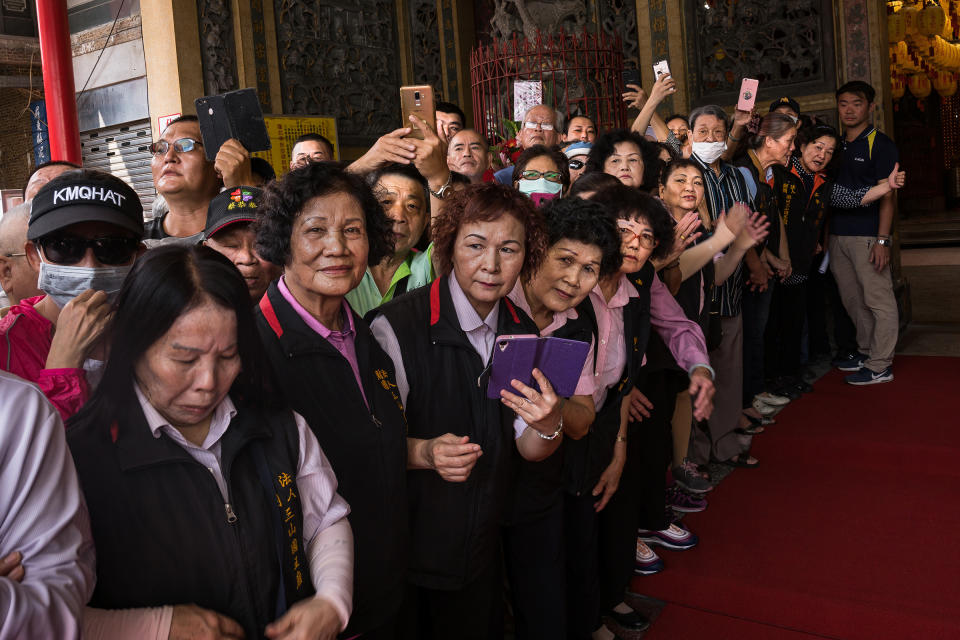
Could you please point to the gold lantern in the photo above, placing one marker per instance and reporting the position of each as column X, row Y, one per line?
column 931, row 19
column 919, row 85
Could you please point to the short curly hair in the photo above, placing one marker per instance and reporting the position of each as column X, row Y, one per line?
column 283, row 201
column 588, row 222
column 559, row 158
column 627, row 203
column 605, row 145
column 485, row 203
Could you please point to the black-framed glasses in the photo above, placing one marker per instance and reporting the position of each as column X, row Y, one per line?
column 647, row 239
column 67, row 249
column 549, row 176
column 183, row 145
column 576, row 165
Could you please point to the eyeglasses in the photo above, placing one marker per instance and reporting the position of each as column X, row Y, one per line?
column 647, row 239
column 14, row 255
column 67, row 249
column 183, row 145
column 546, row 126
column 549, row 176
column 576, row 165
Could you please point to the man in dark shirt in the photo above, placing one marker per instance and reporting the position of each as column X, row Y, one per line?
column 860, row 240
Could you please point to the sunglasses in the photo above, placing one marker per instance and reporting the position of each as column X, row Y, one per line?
column 549, row 176
column 647, row 240
column 546, row 126
column 67, row 250
column 576, row 165
column 183, row 145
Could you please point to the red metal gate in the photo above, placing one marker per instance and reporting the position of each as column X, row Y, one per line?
column 581, row 74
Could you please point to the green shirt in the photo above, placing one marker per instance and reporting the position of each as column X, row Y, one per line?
column 417, row 268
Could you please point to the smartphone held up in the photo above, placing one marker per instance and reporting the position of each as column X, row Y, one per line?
column 418, row 101
column 748, row 94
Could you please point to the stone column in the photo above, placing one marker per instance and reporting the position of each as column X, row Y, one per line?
column 171, row 47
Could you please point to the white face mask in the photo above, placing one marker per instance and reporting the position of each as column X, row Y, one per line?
column 540, row 190
column 709, row 152
column 63, row 283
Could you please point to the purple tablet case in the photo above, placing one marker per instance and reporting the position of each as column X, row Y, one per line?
column 515, row 358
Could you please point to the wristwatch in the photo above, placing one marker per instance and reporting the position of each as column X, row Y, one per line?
column 442, row 192
column 884, row 241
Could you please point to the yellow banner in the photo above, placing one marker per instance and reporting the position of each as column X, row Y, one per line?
column 283, row 130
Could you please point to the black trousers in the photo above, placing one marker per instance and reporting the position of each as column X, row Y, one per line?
column 534, row 554
column 640, row 500
column 785, row 330
column 580, row 528
column 474, row 612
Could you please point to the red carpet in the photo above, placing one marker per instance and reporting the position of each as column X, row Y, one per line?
column 848, row 528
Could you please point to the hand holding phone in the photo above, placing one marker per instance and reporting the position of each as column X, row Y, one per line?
column 748, row 94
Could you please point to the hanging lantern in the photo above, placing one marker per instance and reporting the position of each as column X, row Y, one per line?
column 919, row 85
column 896, row 27
column 931, row 19
column 911, row 18
column 945, row 84
column 897, row 87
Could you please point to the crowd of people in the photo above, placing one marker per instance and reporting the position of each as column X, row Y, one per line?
column 274, row 389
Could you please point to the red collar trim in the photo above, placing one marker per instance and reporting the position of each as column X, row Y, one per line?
column 435, row 302
column 270, row 315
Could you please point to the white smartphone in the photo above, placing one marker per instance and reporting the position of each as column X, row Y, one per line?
column 661, row 69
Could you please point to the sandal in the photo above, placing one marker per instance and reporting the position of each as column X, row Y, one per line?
column 741, row 460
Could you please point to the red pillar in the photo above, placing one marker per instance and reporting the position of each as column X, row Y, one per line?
column 58, row 87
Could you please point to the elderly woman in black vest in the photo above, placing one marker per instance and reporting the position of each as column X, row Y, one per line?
column 584, row 246
column 199, row 490
column 441, row 339
column 325, row 226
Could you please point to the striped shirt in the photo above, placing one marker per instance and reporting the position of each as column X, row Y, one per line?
column 722, row 192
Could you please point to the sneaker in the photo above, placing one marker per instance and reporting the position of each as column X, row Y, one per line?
column 674, row 537
column 772, row 399
column 684, row 502
column 690, row 479
column 853, row 362
column 865, row 376
column 647, row 562
column 763, row 408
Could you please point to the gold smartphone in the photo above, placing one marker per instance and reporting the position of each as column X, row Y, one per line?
column 418, row 101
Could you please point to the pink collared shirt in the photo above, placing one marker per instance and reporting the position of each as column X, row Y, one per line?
column 612, row 349
column 586, row 382
column 342, row 341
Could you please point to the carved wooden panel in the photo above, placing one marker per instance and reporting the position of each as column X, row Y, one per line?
column 425, row 34
column 619, row 18
column 340, row 58
column 786, row 44
column 218, row 54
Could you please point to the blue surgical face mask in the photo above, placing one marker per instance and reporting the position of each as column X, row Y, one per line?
column 540, row 190
column 63, row 283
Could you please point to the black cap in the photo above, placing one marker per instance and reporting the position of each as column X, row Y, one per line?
column 233, row 205
column 85, row 195
column 786, row 101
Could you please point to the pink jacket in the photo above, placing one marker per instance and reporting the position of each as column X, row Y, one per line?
column 25, row 338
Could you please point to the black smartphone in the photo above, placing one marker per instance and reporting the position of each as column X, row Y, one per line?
column 631, row 76
column 236, row 114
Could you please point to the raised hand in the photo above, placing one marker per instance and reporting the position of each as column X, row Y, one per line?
column 897, row 178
